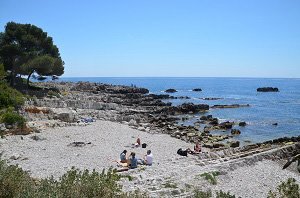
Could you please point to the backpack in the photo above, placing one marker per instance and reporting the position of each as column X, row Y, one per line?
column 182, row 153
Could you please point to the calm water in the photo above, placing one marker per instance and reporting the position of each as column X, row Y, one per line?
column 266, row 108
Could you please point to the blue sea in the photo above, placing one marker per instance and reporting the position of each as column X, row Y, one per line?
column 265, row 108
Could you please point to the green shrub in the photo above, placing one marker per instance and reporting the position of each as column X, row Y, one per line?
column 52, row 94
column 222, row 194
column 202, row 194
column 12, row 118
column 14, row 182
column 288, row 189
column 10, row 96
column 211, row 177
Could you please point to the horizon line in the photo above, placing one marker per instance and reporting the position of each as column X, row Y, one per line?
column 174, row 77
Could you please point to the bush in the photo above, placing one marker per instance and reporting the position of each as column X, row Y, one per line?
column 9, row 96
column 222, row 194
column 286, row 189
column 14, row 182
column 52, row 94
column 202, row 194
column 211, row 177
column 12, row 118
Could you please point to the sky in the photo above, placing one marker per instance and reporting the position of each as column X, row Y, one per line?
column 168, row 38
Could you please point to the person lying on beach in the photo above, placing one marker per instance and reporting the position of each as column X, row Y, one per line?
column 185, row 152
column 148, row 159
column 123, row 158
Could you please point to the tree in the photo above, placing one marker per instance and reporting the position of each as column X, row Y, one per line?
column 26, row 48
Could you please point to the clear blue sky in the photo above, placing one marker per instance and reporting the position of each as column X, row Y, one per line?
column 255, row 38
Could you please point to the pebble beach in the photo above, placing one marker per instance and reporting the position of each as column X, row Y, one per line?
column 51, row 153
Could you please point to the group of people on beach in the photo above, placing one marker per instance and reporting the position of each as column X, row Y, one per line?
column 132, row 161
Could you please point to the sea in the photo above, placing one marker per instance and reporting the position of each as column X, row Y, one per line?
column 266, row 108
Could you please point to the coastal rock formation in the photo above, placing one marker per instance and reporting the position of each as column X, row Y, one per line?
column 234, row 144
column 211, row 98
column 230, row 106
column 226, row 125
column 185, row 108
column 197, row 89
column 171, row 91
column 235, row 131
column 267, row 89
column 64, row 114
column 242, row 124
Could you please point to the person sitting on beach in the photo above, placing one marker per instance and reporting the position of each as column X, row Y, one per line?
column 148, row 159
column 132, row 161
column 138, row 142
column 197, row 148
column 123, row 157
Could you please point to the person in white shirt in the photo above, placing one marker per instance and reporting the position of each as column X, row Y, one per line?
column 148, row 160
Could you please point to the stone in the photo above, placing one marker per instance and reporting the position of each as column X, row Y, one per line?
column 197, row 89
column 235, row 131
column 15, row 156
column 267, row 89
column 230, row 106
column 242, row 124
column 234, row 144
column 218, row 145
column 171, row 91
column 132, row 123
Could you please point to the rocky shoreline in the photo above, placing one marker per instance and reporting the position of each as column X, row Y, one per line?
column 67, row 114
column 67, row 104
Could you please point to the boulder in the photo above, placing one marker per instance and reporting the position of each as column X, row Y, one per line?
column 197, row 89
column 267, row 89
column 235, row 131
column 64, row 114
column 211, row 98
column 230, row 106
column 242, row 124
column 203, row 117
column 226, row 125
column 171, row 91
column 234, row 144
column 218, row 145
column 132, row 123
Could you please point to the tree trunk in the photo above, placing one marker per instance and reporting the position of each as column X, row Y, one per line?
column 12, row 74
column 29, row 78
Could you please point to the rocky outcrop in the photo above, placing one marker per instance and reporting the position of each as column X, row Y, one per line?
column 64, row 114
column 197, row 89
column 171, row 91
column 242, row 124
column 229, row 106
column 267, row 89
column 235, row 131
column 185, row 108
column 211, row 98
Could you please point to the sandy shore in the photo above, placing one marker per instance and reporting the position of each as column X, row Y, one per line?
column 52, row 155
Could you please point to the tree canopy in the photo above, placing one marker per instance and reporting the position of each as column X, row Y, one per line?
column 26, row 48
